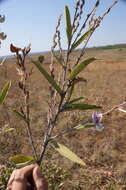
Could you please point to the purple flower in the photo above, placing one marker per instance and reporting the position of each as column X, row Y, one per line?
column 97, row 118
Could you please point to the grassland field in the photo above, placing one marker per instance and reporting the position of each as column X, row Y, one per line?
column 103, row 152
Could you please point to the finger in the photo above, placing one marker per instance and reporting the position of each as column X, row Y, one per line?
column 11, row 179
column 40, row 182
column 9, row 188
column 18, row 180
column 19, row 184
column 27, row 170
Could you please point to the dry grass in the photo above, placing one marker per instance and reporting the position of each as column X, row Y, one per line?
column 104, row 152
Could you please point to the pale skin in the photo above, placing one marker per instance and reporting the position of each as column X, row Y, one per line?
column 26, row 178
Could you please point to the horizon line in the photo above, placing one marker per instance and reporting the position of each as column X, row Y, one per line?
column 48, row 51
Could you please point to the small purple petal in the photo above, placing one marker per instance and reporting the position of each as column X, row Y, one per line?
column 96, row 117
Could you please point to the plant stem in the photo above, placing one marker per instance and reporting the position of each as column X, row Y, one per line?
column 43, row 151
column 28, row 125
column 84, row 25
column 83, row 50
column 89, row 124
column 50, row 128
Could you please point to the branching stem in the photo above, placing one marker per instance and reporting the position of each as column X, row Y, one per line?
column 50, row 128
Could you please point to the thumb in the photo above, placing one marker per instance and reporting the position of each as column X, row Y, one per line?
column 40, row 182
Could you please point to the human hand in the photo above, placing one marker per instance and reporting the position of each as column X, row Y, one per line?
column 26, row 178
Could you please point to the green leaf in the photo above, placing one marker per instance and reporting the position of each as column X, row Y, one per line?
column 68, row 24
column 20, row 160
column 21, row 165
column 76, row 100
column 69, row 107
column 82, row 38
column 8, row 130
column 47, row 76
column 87, row 125
column 4, row 92
column 63, row 150
column 80, row 67
column 20, row 115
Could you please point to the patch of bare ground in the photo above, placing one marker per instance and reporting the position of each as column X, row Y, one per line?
column 104, row 152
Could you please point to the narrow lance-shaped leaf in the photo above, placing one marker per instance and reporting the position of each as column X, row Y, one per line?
column 4, row 92
column 69, row 107
column 20, row 115
column 47, row 76
column 87, row 125
column 82, row 38
column 80, row 67
column 8, row 130
column 63, row 150
column 68, row 24
column 21, row 160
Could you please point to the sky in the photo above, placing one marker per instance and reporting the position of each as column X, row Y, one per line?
column 34, row 21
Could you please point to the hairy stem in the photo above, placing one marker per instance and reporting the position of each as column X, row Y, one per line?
column 28, row 125
column 50, row 128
